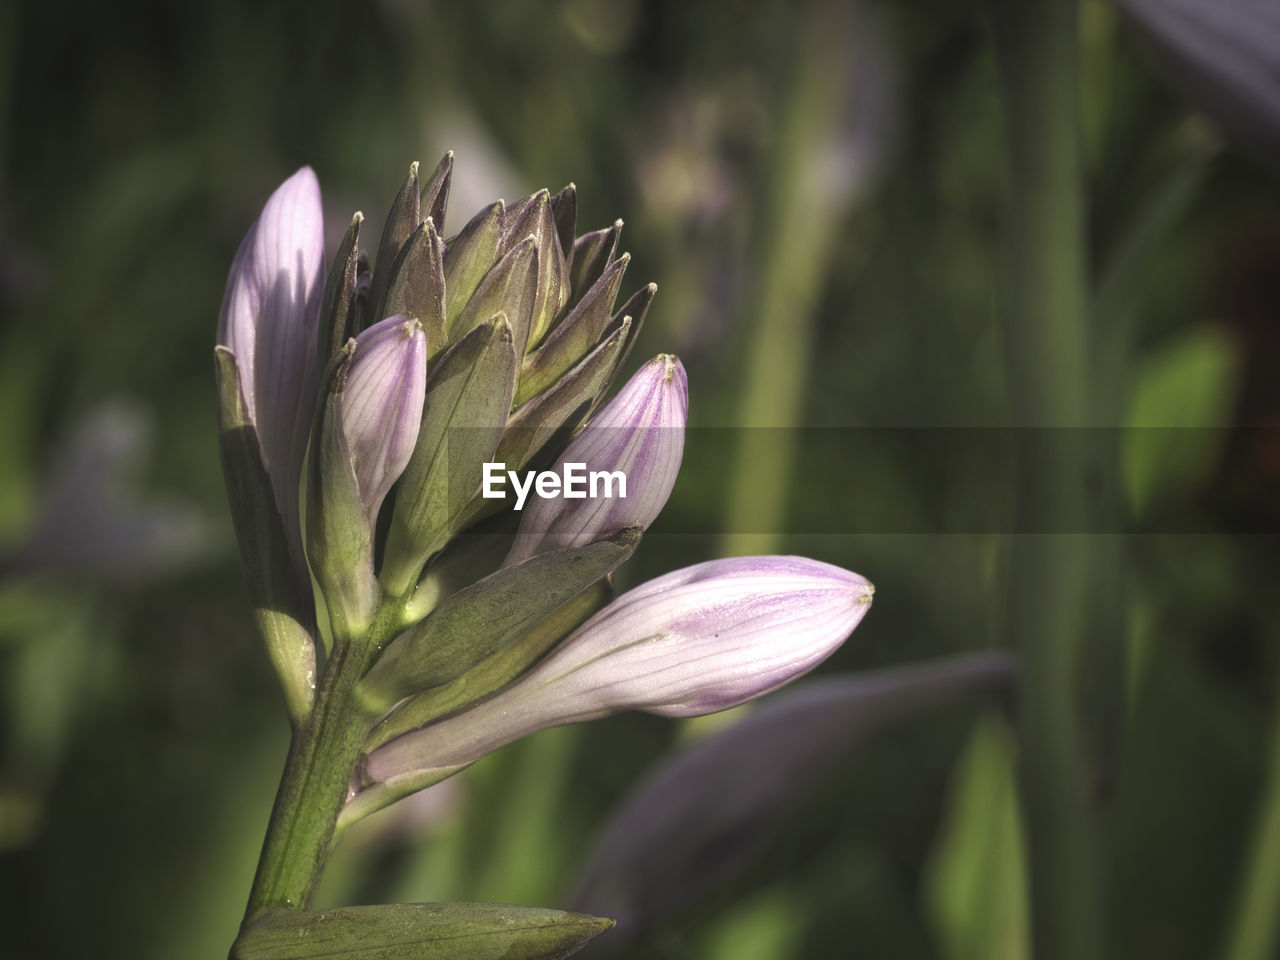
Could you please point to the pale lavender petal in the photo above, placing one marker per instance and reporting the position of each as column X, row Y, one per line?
column 268, row 320
column 639, row 433
column 382, row 404
column 695, row 641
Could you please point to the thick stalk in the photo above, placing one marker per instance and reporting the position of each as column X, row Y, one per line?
column 1046, row 349
column 316, row 781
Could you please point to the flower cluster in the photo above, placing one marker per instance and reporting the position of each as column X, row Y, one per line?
column 358, row 410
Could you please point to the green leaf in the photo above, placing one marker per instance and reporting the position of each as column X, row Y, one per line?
column 1180, row 403
column 478, row 622
column 468, row 395
column 419, row 931
column 282, row 616
column 493, row 674
column 976, row 885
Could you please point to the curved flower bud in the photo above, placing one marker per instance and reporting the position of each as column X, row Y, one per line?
column 268, row 321
column 695, row 641
column 382, row 405
column 637, row 442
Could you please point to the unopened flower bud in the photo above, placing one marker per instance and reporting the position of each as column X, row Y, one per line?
column 382, row 405
column 636, row 442
column 695, row 641
column 268, row 321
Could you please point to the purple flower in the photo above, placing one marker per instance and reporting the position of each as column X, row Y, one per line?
column 695, row 641
column 268, row 321
column 639, row 434
column 382, row 405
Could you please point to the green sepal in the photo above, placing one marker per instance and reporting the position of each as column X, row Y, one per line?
column 280, row 609
column 402, row 220
column 510, row 288
column 551, row 287
column 418, row 931
column 416, row 288
column 574, row 336
column 564, row 207
column 468, row 257
column 336, row 321
column 480, row 621
column 468, row 396
column 495, row 673
column 435, row 191
column 592, row 252
column 338, row 535
column 557, row 412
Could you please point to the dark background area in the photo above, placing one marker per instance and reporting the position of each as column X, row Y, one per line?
column 815, row 187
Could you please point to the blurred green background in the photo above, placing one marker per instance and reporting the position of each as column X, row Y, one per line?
column 816, row 189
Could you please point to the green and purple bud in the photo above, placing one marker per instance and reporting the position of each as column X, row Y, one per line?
column 268, row 322
column 382, row 405
column 635, row 443
column 365, row 433
column 695, row 641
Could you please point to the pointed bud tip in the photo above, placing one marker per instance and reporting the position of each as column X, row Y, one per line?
column 501, row 327
column 357, row 217
column 413, row 170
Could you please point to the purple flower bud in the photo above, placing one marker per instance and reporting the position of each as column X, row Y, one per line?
column 268, row 320
column 638, row 434
column 695, row 641
column 382, row 405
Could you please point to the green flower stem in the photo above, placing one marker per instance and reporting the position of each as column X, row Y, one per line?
column 1046, row 348
column 317, row 777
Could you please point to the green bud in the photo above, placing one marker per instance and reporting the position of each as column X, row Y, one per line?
column 468, row 257
column 402, row 220
column 336, row 321
column 418, row 931
column 574, row 336
column 435, row 191
column 281, row 614
column 338, row 535
column 468, row 396
column 481, row 620
column 507, row 288
column 551, row 290
column 592, row 253
column 564, row 207
column 557, row 412
column 416, row 288
column 635, row 309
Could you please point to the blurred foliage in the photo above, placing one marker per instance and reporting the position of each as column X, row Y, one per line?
column 142, row 734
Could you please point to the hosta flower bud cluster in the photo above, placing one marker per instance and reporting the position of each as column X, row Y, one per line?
column 359, row 409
